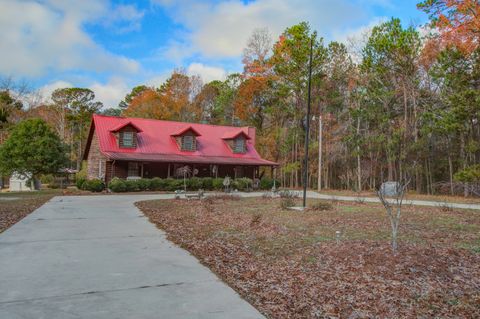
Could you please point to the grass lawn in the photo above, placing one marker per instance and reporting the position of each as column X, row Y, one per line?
column 289, row 265
column 15, row 206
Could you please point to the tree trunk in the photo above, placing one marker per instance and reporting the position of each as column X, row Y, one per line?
column 450, row 172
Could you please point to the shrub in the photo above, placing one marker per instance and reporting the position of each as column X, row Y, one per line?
column 94, row 185
column 217, row 183
column 80, row 181
column 81, row 176
column 173, row 184
column 321, row 206
column 207, row 183
column 47, row 179
column 242, row 184
column 267, row 183
column 287, row 202
column 143, row 184
column 194, row 183
column 117, row 185
column 157, row 184
column 58, row 182
column 132, row 185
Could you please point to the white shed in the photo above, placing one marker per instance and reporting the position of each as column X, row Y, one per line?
column 18, row 183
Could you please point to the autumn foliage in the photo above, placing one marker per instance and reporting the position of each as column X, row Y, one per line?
column 458, row 23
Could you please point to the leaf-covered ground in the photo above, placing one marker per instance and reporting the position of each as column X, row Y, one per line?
column 289, row 265
column 15, row 206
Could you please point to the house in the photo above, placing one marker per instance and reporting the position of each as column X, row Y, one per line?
column 144, row 148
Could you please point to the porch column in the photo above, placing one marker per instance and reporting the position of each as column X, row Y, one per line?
column 168, row 176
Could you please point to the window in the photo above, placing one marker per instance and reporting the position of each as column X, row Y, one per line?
column 239, row 145
column 133, row 169
column 188, row 143
column 127, row 139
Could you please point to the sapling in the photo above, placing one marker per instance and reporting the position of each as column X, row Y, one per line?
column 393, row 208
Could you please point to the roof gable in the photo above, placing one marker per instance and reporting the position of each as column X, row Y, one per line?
column 123, row 125
column 186, row 129
column 234, row 134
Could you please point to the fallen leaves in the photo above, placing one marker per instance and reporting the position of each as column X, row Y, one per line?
column 282, row 264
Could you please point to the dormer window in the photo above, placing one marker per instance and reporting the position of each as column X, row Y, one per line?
column 188, row 143
column 239, row 145
column 126, row 139
column 186, row 138
column 126, row 134
column 237, row 141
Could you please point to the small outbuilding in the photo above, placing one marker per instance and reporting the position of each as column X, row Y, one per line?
column 19, row 183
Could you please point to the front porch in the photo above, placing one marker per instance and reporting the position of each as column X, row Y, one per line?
column 143, row 169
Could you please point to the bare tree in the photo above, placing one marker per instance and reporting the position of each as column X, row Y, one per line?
column 258, row 48
column 184, row 171
column 393, row 206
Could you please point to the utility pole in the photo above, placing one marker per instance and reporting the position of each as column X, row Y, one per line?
column 320, row 150
column 307, row 133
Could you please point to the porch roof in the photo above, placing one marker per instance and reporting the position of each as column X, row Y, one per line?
column 173, row 158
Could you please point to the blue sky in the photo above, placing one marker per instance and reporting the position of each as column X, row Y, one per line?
column 112, row 45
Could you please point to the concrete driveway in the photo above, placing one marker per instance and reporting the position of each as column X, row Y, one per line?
column 99, row 257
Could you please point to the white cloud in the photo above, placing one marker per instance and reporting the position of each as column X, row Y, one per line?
column 38, row 37
column 47, row 90
column 110, row 93
column 222, row 29
column 206, row 73
column 158, row 80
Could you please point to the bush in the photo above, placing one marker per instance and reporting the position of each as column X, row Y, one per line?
column 80, row 182
column 267, row 183
column 94, row 185
column 287, row 202
column 217, row 183
column 132, row 185
column 157, row 184
column 117, row 185
column 194, row 183
column 47, row 179
column 144, row 184
column 173, row 184
column 242, row 184
column 321, row 206
column 207, row 183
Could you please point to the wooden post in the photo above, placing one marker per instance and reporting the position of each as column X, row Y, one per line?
column 168, row 176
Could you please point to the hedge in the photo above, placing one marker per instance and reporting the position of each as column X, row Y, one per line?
column 93, row 185
column 118, row 185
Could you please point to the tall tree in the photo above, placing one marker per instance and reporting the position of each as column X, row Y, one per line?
column 390, row 64
column 290, row 60
column 136, row 91
column 75, row 107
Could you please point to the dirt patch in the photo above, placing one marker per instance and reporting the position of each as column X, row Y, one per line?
column 15, row 206
column 289, row 264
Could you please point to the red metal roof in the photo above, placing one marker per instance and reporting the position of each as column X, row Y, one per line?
column 122, row 125
column 186, row 129
column 155, row 142
column 234, row 134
